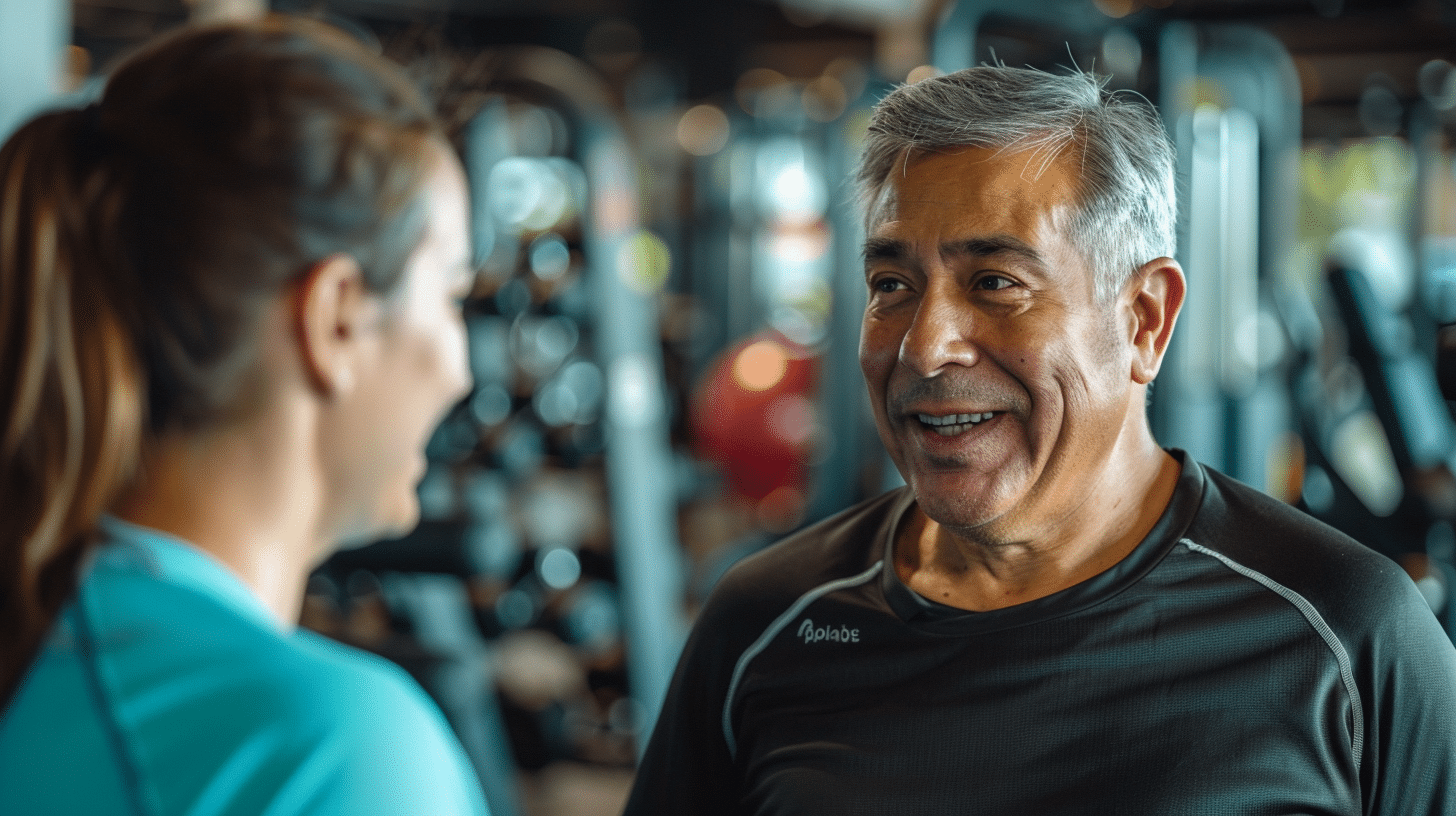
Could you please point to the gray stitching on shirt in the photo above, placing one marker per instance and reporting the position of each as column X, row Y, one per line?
column 771, row 632
column 1347, row 674
column 89, row 655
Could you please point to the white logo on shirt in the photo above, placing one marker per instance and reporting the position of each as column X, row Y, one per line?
column 839, row 634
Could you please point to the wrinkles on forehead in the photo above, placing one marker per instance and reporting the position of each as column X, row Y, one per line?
column 1028, row 174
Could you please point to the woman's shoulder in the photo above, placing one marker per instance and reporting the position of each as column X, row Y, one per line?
column 350, row 727
column 165, row 615
column 214, row 662
column 327, row 674
column 206, row 693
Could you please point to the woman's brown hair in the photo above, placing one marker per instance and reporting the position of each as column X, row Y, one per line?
column 140, row 239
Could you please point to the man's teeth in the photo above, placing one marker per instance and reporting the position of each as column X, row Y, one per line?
column 953, row 423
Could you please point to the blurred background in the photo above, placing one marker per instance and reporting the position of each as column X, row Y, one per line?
column 664, row 329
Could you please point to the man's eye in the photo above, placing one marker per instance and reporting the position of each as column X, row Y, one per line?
column 887, row 285
column 993, row 282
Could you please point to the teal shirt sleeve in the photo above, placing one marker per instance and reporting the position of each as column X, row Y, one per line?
column 355, row 735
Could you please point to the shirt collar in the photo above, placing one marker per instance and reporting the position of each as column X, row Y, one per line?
column 131, row 547
column 925, row 613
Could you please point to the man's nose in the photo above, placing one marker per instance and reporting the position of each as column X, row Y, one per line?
column 941, row 334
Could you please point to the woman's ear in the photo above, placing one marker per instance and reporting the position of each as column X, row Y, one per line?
column 331, row 310
column 1156, row 291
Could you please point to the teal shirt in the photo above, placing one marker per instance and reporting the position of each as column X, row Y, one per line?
column 166, row 687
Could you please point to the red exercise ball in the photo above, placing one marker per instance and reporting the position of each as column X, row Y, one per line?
column 753, row 415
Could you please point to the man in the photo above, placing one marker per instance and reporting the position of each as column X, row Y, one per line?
column 1055, row 615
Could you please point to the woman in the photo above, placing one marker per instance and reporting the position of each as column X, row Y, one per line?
column 228, row 323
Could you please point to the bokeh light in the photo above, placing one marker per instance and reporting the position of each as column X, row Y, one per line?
column 703, row 130
column 644, row 262
column 760, row 366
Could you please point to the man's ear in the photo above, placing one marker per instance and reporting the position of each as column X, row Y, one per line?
column 331, row 309
column 1156, row 292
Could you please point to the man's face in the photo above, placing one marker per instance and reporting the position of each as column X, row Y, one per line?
column 999, row 384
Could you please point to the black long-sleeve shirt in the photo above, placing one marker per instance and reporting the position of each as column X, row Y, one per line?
column 1244, row 659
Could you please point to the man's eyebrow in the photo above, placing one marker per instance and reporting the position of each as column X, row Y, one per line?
column 990, row 246
column 885, row 249
column 893, row 249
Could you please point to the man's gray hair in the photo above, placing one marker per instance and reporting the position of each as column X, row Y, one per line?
column 1126, row 212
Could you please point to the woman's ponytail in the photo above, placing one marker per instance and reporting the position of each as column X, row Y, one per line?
column 71, row 387
column 141, row 241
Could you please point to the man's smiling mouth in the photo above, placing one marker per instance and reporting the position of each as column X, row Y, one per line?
column 953, row 424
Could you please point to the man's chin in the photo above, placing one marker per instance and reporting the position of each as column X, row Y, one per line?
column 963, row 504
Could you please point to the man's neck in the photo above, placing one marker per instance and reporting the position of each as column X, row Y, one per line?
column 987, row 568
